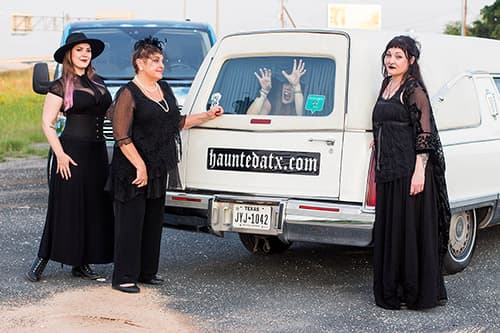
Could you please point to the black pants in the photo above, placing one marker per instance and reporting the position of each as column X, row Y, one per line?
column 138, row 228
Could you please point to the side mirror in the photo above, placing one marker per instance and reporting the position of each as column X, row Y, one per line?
column 41, row 78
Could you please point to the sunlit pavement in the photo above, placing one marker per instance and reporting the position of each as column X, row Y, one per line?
column 310, row 288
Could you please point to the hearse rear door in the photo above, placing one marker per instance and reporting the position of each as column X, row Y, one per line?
column 293, row 147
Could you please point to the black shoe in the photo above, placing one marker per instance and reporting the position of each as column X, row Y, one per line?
column 133, row 289
column 155, row 280
column 442, row 302
column 36, row 270
column 85, row 272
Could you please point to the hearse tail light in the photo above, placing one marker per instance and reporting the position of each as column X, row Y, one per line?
column 327, row 209
column 260, row 121
column 371, row 193
column 186, row 199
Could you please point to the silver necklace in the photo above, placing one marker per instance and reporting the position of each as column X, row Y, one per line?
column 147, row 92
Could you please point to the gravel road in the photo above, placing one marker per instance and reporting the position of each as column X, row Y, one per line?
column 220, row 287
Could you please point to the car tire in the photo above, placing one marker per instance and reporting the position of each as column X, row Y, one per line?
column 263, row 245
column 463, row 229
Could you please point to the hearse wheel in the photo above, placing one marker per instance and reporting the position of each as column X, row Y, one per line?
column 263, row 245
column 462, row 241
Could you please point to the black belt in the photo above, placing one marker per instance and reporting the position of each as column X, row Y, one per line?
column 85, row 127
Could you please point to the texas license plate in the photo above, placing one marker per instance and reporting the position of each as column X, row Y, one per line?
column 252, row 217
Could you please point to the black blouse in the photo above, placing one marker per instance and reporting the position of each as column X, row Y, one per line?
column 155, row 134
column 400, row 133
column 85, row 118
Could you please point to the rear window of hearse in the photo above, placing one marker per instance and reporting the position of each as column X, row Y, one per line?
column 239, row 85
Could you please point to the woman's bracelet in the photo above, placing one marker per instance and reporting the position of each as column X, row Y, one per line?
column 263, row 93
column 298, row 91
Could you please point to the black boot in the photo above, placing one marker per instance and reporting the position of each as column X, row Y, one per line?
column 84, row 271
column 36, row 270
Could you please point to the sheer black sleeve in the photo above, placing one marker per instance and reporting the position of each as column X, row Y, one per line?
column 182, row 121
column 421, row 110
column 57, row 88
column 122, row 114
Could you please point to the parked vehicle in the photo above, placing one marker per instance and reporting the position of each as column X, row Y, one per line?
column 187, row 44
column 276, row 179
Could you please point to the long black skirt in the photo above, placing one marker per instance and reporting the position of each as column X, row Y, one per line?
column 407, row 267
column 79, row 224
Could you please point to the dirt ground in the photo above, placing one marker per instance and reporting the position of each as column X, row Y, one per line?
column 96, row 309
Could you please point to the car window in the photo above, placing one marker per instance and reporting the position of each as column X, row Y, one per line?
column 238, row 88
column 497, row 82
column 183, row 52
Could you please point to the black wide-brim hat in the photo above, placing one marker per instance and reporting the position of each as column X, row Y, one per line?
column 96, row 45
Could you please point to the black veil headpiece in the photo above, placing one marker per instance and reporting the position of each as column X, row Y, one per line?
column 152, row 41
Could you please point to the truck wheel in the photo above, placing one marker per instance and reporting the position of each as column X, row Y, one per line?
column 462, row 241
column 263, row 245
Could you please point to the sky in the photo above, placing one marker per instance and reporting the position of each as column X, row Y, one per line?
column 233, row 15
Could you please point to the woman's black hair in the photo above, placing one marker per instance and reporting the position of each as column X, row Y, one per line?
column 411, row 48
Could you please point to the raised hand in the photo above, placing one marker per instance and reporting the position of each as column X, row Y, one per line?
column 264, row 79
column 297, row 72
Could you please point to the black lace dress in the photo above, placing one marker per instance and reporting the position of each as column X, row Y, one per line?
column 79, row 225
column 410, row 232
column 155, row 134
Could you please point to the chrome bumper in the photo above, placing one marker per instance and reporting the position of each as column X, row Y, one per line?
column 292, row 220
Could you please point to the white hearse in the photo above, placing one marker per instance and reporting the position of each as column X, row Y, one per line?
column 275, row 179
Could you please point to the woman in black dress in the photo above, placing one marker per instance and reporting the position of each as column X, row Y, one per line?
column 146, row 125
column 412, row 210
column 79, row 225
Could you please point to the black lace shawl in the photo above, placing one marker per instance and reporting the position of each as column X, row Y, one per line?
column 416, row 100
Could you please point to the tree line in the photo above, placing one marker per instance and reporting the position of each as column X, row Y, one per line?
column 487, row 26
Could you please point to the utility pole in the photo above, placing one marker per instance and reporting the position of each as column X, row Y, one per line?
column 464, row 18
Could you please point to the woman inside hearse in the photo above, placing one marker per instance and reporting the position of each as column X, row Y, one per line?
column 288, row 99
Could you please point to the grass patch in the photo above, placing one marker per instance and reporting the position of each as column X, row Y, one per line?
column 20, row 116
